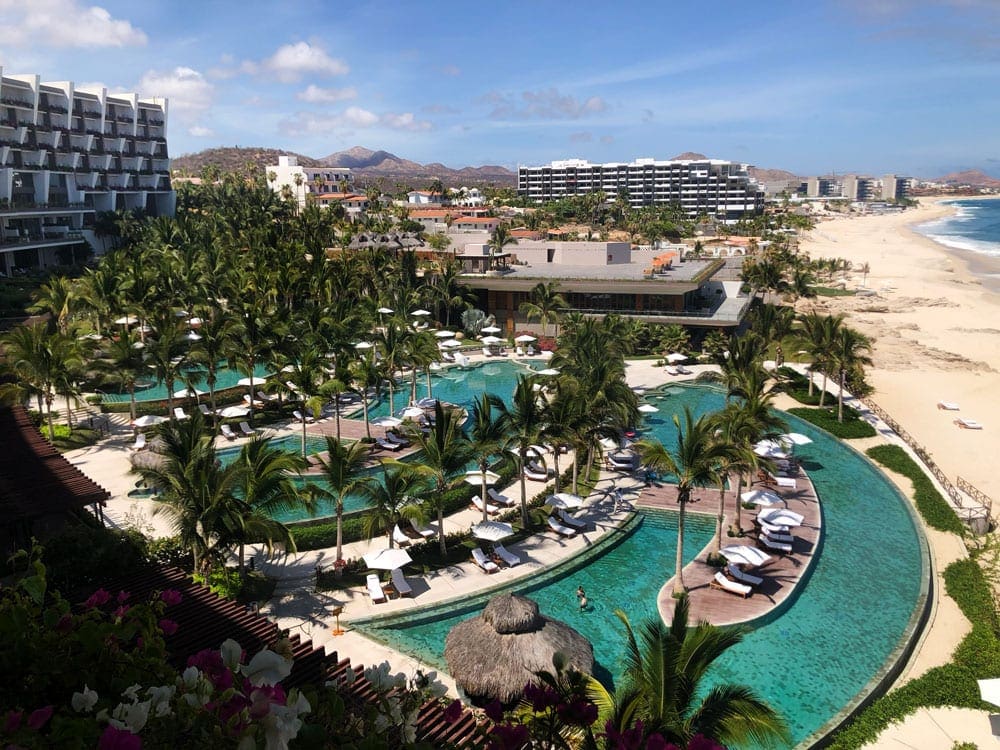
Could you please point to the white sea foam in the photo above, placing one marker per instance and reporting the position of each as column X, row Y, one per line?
column 964, row 243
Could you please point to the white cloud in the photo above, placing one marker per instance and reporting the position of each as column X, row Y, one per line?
column 404, row 121
column 544, row 103
column 63, row 23
column 200, row 131
column 352, row 118
column 316, row 95
column 292, row 61
column 356, row 117
column 189, row 93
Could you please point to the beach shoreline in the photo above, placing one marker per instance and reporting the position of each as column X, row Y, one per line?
column 985, row 268
column 935, row 318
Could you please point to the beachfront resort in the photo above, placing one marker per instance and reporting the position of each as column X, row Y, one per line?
column 260, row 445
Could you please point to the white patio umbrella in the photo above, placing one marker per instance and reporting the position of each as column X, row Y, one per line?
column 149, row 420
column 548, row 371
column 387, row 559
column 194, row 322
column 648, row 409
column 676, row 357
column 744, row 553
column 411, row 412
column 491, row 340
column 386, row 422
column 189, row 393
column 476, row 478
column 362, row 345
column 989, row 691
column 427, row 402
column 770, row 449
column 385, row 311
column 781, row 517
column 90, row 337
column 234, row 412
column 450, row 344
column 795, row 438
column 420, row 313
column 490, row 329
column 564, row 500
column 257, row 380
column 760, row 497
column 442, row 334
column 525, row 339
column 126, row 320
column 492, row 531
column 192, row 336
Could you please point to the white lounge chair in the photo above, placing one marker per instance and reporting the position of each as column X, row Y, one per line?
column 487, row 352
column 447, row 356
column 771, row 528
column 386, row 445
column 375, row 588
column 782, row 537
column 399, row 583
column 227, row 432
column 254, row 403
column 399, row 440
column 425, row 531
column 518, row 351
column 203, row 408
column 573, row 523
column 300, row 417
column 247, row 430
column 139, row 444
column 180, row 414
column 682, row 370
column 530, row 351
column 968, row 424
column 537, row 468
column 508, row 557
column 947, row 405
column 671, row 370
column 490, row 508
column 721, row 582
column 783, row 481
column 535, row 476
column 559, row 528
column 399, row 537
column 742, row 577
column 480, row 558
column 774, row 544
column 499, row 499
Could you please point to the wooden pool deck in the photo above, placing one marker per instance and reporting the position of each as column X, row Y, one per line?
column 781, row 574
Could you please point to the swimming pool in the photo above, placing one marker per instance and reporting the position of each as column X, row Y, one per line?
column 157, row 391
column 842, row 627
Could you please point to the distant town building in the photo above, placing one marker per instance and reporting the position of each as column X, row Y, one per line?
column 822, row 187
column 424, row 198
column 355, row 205
column 895, row 187
column 305, row 181
column 853, row 187
column 856, row 188
column 465, row 196
column 722, row 189
column 68, row 153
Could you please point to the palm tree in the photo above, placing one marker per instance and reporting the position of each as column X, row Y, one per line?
column 367, row 375
column 341, row 471
column 525, row 418
column 663, row 687
column 125, row 363
column 498, row 241
column 488, row 432
column 446, row 451
column 545, row 303
column 391, row 499
column 40, row 359
column 303, row 379
column 695, row 463
column 166, row 351
column 211, row 348
column 58, row 298
column 849, row 353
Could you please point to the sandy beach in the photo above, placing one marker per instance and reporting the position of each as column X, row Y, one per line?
column 936, row 325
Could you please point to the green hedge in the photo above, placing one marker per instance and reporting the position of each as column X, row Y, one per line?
column 796, row 385
column 935, row 509
column 977, row 657
column 851, row 428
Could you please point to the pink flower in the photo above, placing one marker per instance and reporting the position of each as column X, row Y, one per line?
column 97, row 599
column 169, row 627
column 508, row 737
column 13, row 722
column 121, row 611
column 454, row 711
column 119, row 739
column 65, row 624
column 170, row 597
column 494, row 710
column 123, row 596
column 39, row 717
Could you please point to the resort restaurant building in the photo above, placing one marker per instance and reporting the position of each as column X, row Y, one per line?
column 597, row 278
column 67, row 154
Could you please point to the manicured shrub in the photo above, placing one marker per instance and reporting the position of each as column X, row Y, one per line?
column 852, row 428
column 933, row 507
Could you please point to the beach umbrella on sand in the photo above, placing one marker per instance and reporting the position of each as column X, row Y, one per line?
column 745, row 554
column 495, row 653
column 492, row 531
column 476, row 478
column 648, row 409
column 525, row 339
column 760, row 497
column 564, row 500
column 387, row 559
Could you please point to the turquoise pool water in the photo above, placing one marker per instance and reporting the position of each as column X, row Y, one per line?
column 224, row 378
column 813, row 659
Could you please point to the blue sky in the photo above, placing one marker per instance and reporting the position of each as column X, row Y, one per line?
column 872, row 86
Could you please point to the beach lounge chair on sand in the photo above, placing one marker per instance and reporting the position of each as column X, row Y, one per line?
column 573, row 523
column 721, row 582
column 559, row 528
column 480, row 558
column 399, row 537
column 375, row 589
column 477, row 501
column 968, row 424
column 425, row 531
column 247, row 430
column 947, row 405
column 508, row 557
column 497, row 498
column 387, row 445
column 747, row 578
column 399, row 583
column 227, row 432
column 180, row 414
column 139, row 444
column 773, row 544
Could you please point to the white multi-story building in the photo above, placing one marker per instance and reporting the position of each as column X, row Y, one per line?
column 290, row 178
column 722, row 189
column 895, row 187
column 67, row 154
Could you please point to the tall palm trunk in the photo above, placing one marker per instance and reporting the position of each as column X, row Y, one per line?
column 555, row 462
column 524, row 492
column 822, row 393
column 483, row 466
column 340, row 527
column 69, row 415
column 48, row 416
column 739, row 503
column 683, row 495
column 721, row 514
column 131, row 401
column 427, row 372
column 368, row 427
column 840, row 396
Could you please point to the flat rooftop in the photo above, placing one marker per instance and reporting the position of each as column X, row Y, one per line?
column 681, row 272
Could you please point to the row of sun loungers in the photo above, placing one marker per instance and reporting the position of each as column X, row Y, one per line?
column 489, row 566
column 399, row 583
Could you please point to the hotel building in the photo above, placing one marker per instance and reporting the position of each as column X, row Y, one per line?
column 305, row 181
column 721, row 189
column 67, row 154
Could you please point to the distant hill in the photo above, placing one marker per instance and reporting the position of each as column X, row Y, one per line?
column 235, row 158
column 761, row 175
column 689, row 156
column 973, row 177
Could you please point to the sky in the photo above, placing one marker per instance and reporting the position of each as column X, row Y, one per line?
column 811, row 86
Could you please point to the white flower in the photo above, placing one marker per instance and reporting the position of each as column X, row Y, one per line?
column 231, row 653
column 132, row 716
column 160, row 698
column 190, row 677
column 132, row 692
column 267, row 668
column 282, row 724
column 85, row 701
column 380, row 678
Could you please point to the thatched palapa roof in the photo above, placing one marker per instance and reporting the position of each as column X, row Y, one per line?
column 496, row 653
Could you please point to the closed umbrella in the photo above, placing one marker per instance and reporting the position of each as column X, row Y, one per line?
column 564, row 500
column 525, row 339
column 387, row 559
column 492, row 531
column 745, row 554
column 760, row 497
column 476, row 478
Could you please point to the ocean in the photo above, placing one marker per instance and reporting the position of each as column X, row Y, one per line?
column 975, row 227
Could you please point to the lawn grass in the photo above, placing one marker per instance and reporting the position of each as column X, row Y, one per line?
column 935, row 509
column 852, row 428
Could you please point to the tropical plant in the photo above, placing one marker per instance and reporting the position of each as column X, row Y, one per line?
column 849, row 352
column 488, row 433
column 393, row 498
column 342, row 472
column 544, row 303
column 525, row 417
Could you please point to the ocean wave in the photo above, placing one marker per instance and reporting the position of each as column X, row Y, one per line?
column 959, row 242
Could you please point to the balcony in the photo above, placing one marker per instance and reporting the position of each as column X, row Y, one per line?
column 13, row 101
